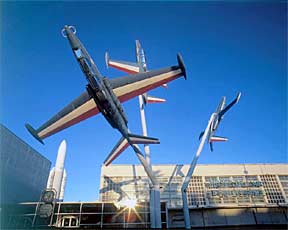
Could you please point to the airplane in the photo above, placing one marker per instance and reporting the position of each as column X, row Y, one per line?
column 219, row 115
column 139, row 67
column 106, row 95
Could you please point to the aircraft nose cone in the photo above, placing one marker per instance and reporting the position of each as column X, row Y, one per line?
column 69, row 32
column 65, row 31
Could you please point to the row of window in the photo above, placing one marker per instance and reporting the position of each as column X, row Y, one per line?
column 205, row 190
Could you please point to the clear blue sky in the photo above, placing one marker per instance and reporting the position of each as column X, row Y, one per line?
column 227, row 47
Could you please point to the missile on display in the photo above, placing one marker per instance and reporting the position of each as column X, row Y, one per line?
column 57, row 177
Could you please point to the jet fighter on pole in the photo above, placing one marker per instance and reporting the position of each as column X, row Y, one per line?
column 219, row 115
column 105, row 96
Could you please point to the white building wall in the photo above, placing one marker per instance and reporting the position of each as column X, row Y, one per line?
column 211, row 185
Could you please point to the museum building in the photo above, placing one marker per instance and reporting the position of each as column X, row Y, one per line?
column 250, row 196
column 218, row 194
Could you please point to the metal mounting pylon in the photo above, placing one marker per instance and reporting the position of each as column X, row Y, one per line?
column 190, row 172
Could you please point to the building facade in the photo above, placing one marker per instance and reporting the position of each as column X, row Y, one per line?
column 250, row 196
column 87, row 215
column 218, row 195
column 24, row 171
column 211, row 185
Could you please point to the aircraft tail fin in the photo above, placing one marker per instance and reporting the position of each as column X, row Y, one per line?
column 34, row 133
column 127, row 67
column 181, row 65
column 116, row 151
column 137, row 139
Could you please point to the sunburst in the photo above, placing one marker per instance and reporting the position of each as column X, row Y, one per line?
column 130, row 205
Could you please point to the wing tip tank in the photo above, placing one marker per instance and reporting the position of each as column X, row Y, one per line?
column 33, row 132
column 181, row 65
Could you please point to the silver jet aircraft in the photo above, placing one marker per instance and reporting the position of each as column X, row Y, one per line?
column 219, row 115
column 105, row 96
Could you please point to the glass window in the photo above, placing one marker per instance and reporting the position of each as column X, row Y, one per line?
column 73, row 222
column 272, row 188
column 66, row 222
column 284, row 182
column 92, row 208
column 78, row 53
column 110, row 207
column 195, row 191
column 70, row 208
column 94, row 219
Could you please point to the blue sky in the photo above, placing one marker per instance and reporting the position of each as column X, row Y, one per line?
column 226, row 47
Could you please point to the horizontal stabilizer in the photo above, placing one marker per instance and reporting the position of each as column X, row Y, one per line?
column 34, row 133
column 149, row 99
column 137, row 139
column 116, row 151
column 217, row 139
column 155, row 99
column 127, row 67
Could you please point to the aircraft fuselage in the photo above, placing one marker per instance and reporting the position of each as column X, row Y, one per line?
column 99, row 87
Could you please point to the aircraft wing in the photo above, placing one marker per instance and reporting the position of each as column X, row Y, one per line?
column 124, row 88
column 79, row 109
column 222, row 112
column 134, row 85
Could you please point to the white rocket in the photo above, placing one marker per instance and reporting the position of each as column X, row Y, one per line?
column 57, row 177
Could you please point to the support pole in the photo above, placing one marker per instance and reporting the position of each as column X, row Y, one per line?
column 155, row 204
column 144, row 128
column 152, row 208
column 155, row 213
column 190, row 172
